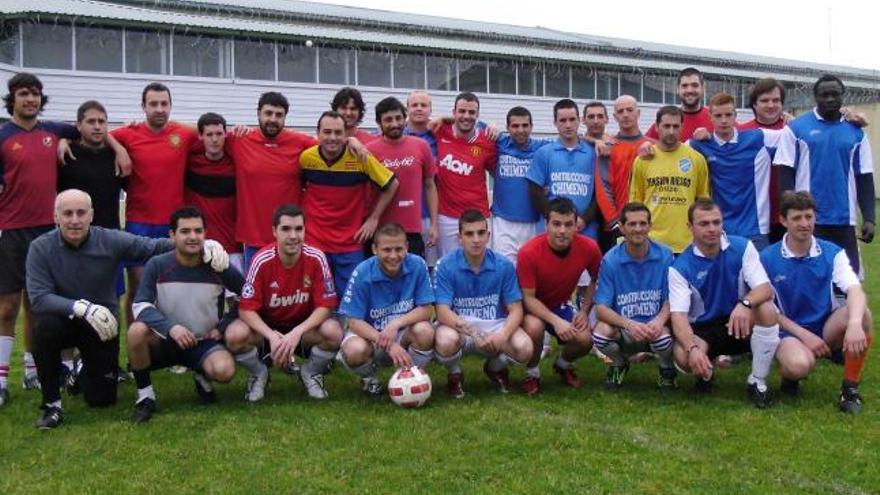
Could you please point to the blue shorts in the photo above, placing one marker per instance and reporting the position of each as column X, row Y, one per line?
column 816, row 328
column 151, row 230
column 169, row 354
column 343, row 264
column 566, row 312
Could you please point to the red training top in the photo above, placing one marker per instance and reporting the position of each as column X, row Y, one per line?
column 554, row 277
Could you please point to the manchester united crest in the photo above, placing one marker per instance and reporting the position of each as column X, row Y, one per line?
column 476, row 150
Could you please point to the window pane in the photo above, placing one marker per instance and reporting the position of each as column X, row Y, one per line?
column 671, row 90
column 255, row 59
column 336, row 65
column 200, row 55
column 653, row 89
column 606, row 86
column 502, row 77
column 631, row 84
column 9, row 43
column 147, row 51
column 472, row 75
column 296, row 62
column 47, row 45
column 374, row 68
column 531, row 80
column 556, row 78
column 441, row 73
column 98, row 48
column 583, row 82
column 409, row 70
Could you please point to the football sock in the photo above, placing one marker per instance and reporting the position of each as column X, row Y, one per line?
column 366, row 370
column 563, row 364
column 499, row 362
column 68, row 363
column 250, row 361
column 56, row 404
column 534, row 372
column 30, row 367
column 142, row 378
column 764, row 341
column 319, row 361
column 5, row 357
column 853, row 365
column 662, row 347
column 145, row 393
column 419, row 357
column 609, row 348
column 452, row 363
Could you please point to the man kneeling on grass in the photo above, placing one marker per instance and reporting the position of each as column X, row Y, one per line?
column 479, row 308
column 179, row 308
column 804, row 271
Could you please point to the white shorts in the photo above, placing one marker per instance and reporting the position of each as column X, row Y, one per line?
column 380, row 357
column 508, row 237
column 236, row 260
column 430, row 252
column 484, row 328
column 448, row 240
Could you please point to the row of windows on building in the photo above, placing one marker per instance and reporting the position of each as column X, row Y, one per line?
column 75, row 46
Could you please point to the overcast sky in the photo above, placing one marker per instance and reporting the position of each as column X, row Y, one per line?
column 841, row 32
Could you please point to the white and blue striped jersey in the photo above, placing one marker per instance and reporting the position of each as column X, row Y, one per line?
column 739, row 170
column 708, row 289
column 826, row 157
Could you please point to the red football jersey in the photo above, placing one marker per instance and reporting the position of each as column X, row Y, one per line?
column 461, row 172
column 210, row 186
column 285, row 297
column 411, row 161
column 555, row 277
column 267, row 175
column 155, row 186
column 691, row 122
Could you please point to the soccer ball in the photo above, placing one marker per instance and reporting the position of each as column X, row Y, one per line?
column 409, row 387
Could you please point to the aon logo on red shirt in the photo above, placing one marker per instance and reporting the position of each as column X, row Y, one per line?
column 456, row 166
column 298, row 297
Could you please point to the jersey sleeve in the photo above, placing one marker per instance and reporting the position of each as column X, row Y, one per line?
column 252, row 289
column 144, row 307
column 594, row 258
column 323, row 289
column 702, row 177
column 865, row 158
column 41, row 285
column 679, row 292
column 429, row 161
column 771, row 137
column 63, row 130
column 786, row 148
column 752, row 270
column 491, row 155
column 137, row 248
column 424, row 294
column 637, row 182
column 232, row 279
column 356, row 299
column 377, row 172
column 842, row 274
column 604, row 294
column 539, row 170
column 525, row 272
column 443, row 281
column 510, row 286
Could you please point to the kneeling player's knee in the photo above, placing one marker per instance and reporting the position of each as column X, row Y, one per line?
column 446, row 341
column 422, row 336
column 331, row 334
column 795, row 360
column 220, row 367
column 356, row 352
column 521, row 347
column 236, row 335
column 138, row 333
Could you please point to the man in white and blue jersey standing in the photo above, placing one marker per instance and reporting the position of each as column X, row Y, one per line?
column 514, row 220
column 804, row 272
column 824, row 154
column 739, row 170
column 632, row 300
column 479, row 308
column 720, row 301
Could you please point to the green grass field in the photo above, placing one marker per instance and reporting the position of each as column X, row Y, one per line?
column 564, row 441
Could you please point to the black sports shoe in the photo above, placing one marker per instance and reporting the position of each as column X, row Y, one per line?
column 761, row 400
column 4, row 396
column 51, row 418
column 614, row 377
column 204, row 389
column 850, row 401
column 702, row 386
column 143, row 410
column 791, row 388
column 666, row 382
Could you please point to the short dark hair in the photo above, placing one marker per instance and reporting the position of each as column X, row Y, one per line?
column 210, row 118
column 390, row 104
column 669, row 110
column 633, row 207
column 157, row 87
column 800, row 200
column 346, row 94
column 562, row 206
column 688, row 71
column 89, row 105
column 466, row 96
column 703, row 204
column 763, row 86
column 722, row 99
column 562, row 104
column 519, row 112
column 286, row 210
column 23, row 80
column 596, row 104
column 274, row 99
column 186, row 212
column 390, row 229
column 328, row 113
column 828, row 78
column 470, row 216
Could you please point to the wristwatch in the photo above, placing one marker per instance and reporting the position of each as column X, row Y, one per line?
column 745, row 302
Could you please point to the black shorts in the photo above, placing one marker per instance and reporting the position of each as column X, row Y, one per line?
column 265, row 349
column 168, row 353
column 843, row 236
column 415, row 241
column 720, row 342
column 14, row 244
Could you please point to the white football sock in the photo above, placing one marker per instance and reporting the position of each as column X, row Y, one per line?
column 5, row 356
column 251, row 361
column 452, row 363
column 319, row 361
column 145, row 393
column 419, row 357
column 764, row 341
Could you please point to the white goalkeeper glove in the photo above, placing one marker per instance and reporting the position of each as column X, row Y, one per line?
column 100, row 318
column 216, row 256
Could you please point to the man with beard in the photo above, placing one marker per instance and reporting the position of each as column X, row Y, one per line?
column 695, row 115
column 349, row 103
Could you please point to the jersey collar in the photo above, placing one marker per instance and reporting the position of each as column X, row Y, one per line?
column 725, row 243
column 733, row 140
column 815, row 248
column 819, row 117
column 377, row 275
column 463, row 265
column 653, row 253
column 581, row 146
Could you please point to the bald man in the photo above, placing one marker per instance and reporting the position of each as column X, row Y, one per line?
column 71, row 283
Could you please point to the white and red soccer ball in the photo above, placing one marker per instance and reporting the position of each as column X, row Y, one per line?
column 409, row 387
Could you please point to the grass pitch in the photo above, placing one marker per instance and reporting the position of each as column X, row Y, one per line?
column 563, row 441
